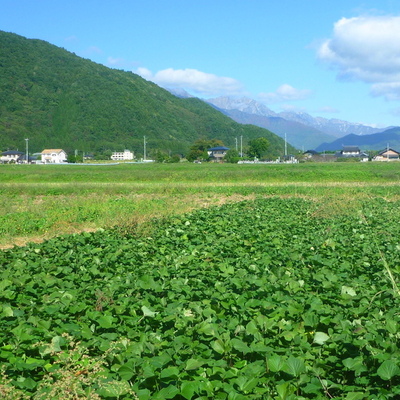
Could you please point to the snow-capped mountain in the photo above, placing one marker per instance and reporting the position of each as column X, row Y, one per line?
column 334, row 127
column 243, row 104
column 249, row 111
column 302, row 130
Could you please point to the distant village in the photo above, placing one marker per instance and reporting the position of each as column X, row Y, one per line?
column 353, row 153
column 216, row 154
column 53, row 156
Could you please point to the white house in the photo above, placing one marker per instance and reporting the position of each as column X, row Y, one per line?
column 352, row 151
column 122, row 155
column 387, row 155
column 53, row 156
column 11, row 156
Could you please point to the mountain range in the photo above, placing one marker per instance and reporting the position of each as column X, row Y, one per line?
column 376, row 141
column 300, row 129
column 59, row 100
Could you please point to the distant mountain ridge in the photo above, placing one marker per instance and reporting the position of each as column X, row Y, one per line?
column 302, row 130
column 243, row 104
column 299, row 135
column 376, row 141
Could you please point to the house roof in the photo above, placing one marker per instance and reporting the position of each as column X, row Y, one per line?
column 12, row 153
column 218, row 148
column 49, row 151
column 386, row 150
column 350, row 148
column 30, row 158
column 340, row 154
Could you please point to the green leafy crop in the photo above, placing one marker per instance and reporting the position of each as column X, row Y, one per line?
column 254, row 300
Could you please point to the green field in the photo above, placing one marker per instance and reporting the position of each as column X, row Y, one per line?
column 200, row 282
column 41, row 201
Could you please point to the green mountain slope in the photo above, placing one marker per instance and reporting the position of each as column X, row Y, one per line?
column 59, row 100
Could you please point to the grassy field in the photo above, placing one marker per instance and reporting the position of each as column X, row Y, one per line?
column 42, row 201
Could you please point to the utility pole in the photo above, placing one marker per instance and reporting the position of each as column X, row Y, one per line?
column 285, row 146
column 236, row 143
column 144, row 148
column 27, row 151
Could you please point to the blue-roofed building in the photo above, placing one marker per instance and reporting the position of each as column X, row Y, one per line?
column 217, row 153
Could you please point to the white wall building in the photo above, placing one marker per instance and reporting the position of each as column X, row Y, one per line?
column 387, row 155
column 11, row 156
column 122, row 155
column 53, row 156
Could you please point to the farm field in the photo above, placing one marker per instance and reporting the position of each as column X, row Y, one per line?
column 204, row 282
column 38, row 202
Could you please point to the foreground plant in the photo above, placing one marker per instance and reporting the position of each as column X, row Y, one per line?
column 7, row 390
column 266, row 299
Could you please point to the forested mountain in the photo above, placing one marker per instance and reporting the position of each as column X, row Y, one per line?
column 59, row 100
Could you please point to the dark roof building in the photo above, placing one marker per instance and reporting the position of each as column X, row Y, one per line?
column 352, row 151
column 12, row 153
column 387, row 155
column 217, row 153
column 10, row 156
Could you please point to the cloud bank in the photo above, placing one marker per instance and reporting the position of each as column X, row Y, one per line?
column 192, row 80
column 285, row 92
column 367, row 49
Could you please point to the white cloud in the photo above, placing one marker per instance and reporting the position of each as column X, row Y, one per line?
column 391, row 91
column 193, row 80
column 144, row 73
column 367, row 49
column 285, row 92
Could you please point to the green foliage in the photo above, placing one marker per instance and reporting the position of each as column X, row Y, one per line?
column 162, row 157
column 72, row 158
column 267, row 299
column 198, row 150
column 232, row 156
column 258, row 147
column 59, row 100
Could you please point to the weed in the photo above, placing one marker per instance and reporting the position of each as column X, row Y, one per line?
column 74, row 375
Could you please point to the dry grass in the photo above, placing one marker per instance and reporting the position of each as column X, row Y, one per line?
column 125, row 211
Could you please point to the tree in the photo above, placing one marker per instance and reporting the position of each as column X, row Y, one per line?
column 257, row 147
column 175, row 159
column 161, row 157
column 198, row 151
column 72, row 158
column 232, row 156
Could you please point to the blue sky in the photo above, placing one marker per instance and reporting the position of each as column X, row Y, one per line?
column 334, row 59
